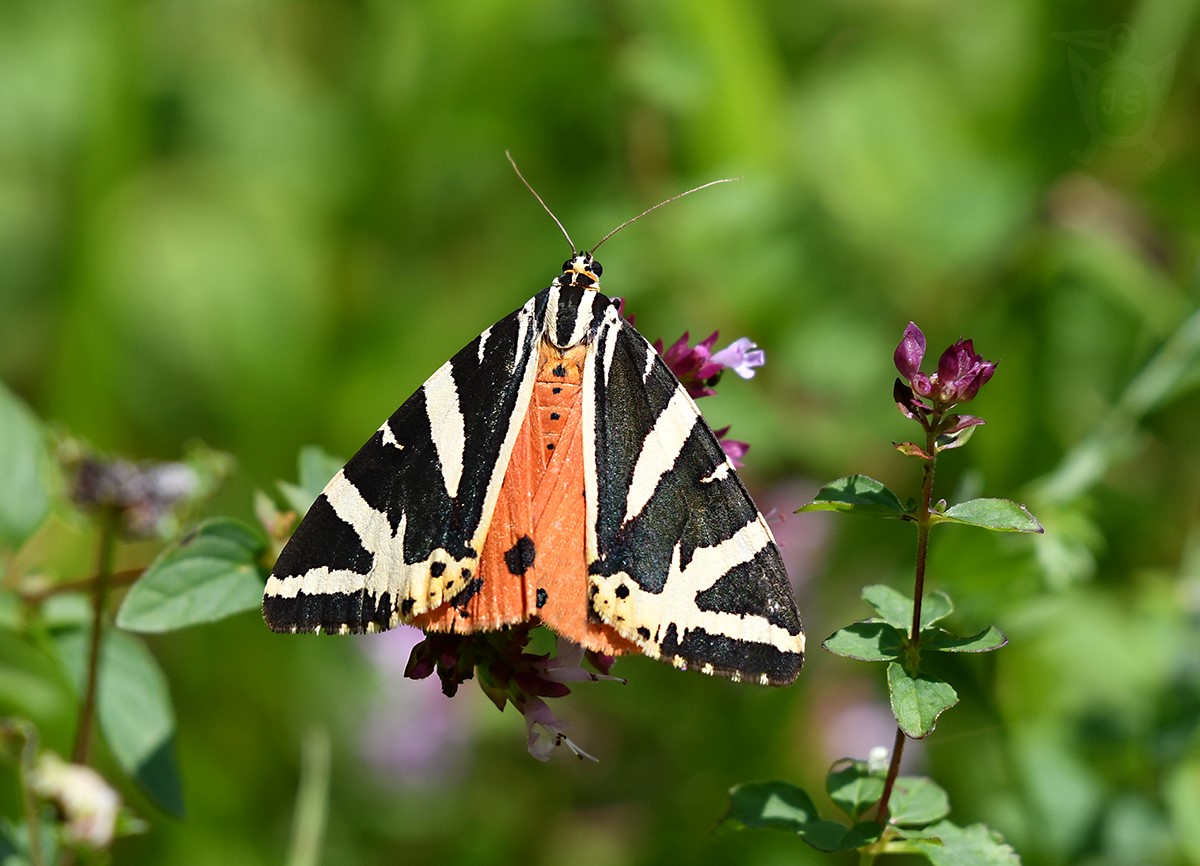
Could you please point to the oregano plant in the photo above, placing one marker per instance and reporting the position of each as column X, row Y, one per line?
column 882, row 812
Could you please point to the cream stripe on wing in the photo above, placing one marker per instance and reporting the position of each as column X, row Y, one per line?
column 660, row 449
column 446, row 426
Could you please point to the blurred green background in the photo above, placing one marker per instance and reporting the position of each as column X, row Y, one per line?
column 263, row 224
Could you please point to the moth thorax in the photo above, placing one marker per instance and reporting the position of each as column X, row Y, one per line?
column 581, row 271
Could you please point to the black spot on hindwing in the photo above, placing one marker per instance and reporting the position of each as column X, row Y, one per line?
column 520, row 556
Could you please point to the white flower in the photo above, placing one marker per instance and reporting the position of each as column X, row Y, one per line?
column 86, row 800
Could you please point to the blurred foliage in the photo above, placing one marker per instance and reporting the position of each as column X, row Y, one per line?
column 263, row 224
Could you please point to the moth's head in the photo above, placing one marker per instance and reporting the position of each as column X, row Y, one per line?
column 581, row 271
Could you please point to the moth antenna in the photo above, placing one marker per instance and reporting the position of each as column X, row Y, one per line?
column 545, row 207
column 656, row 207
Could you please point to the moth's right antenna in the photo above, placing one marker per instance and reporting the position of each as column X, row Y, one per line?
column 546, row 207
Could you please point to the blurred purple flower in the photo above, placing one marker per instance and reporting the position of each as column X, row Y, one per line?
column 412, row 736
column 734, row 449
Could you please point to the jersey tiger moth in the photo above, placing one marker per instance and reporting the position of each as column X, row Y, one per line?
column 555, row 471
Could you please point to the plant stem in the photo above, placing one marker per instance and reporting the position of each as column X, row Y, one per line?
column 83, row 584
column 881, row 814
column 923, row 526
column 26, row 733
column 104, row 563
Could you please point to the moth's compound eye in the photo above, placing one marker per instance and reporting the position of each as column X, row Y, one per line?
column 597, row 268
column 567, row 265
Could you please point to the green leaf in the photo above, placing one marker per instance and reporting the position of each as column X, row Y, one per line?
column 133, row 708
column 897, row 609
column 917, row 701
column 917, row 801
column 24, row 472
column 890, row 605
column 858, row 494
column 987, row 640
column 783, row 806
column 775, row 804
column 832, row 836
column 935, row 606
column 999, row 515
column 945, row 844
column 868, row 641
column 210, row 574
column 853, row 788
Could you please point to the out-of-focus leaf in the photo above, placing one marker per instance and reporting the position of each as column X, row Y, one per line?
column 210, row 574
column 783, row 806
column 775, row 804
column 918, row 701
column 857, row 494
column 1000, row 515
column 133, row 707
column 315, row 469
column 24, row 472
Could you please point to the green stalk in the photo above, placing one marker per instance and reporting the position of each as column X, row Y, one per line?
column 923, row 527
column 104, row 565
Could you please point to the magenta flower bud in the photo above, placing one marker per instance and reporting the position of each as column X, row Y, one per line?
column 962, row 372
column 910, row 352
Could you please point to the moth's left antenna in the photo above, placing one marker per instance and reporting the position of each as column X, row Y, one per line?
column 546, row 207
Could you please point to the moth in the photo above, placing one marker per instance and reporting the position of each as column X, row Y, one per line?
column 555, row 471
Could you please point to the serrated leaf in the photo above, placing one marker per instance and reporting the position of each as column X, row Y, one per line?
column 868, row 641
column 945, row 844
column 24, row 472
column 210, row 574
column 991, row 638
column 917, row 801
column 774, row 804
column 857, row 494
column 853, row 788
column 133, row 708
column 918, row 701
column 998, row 515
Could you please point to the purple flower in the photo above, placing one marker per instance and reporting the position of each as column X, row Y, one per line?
column 509, row 675
column 961, row 373
column 411, row 737
column 741, row 356
column 734, row 449
column 910, row 352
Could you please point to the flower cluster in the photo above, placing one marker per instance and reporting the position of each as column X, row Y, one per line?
column 146, row 498
column 928, row 399
column 510, row 675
